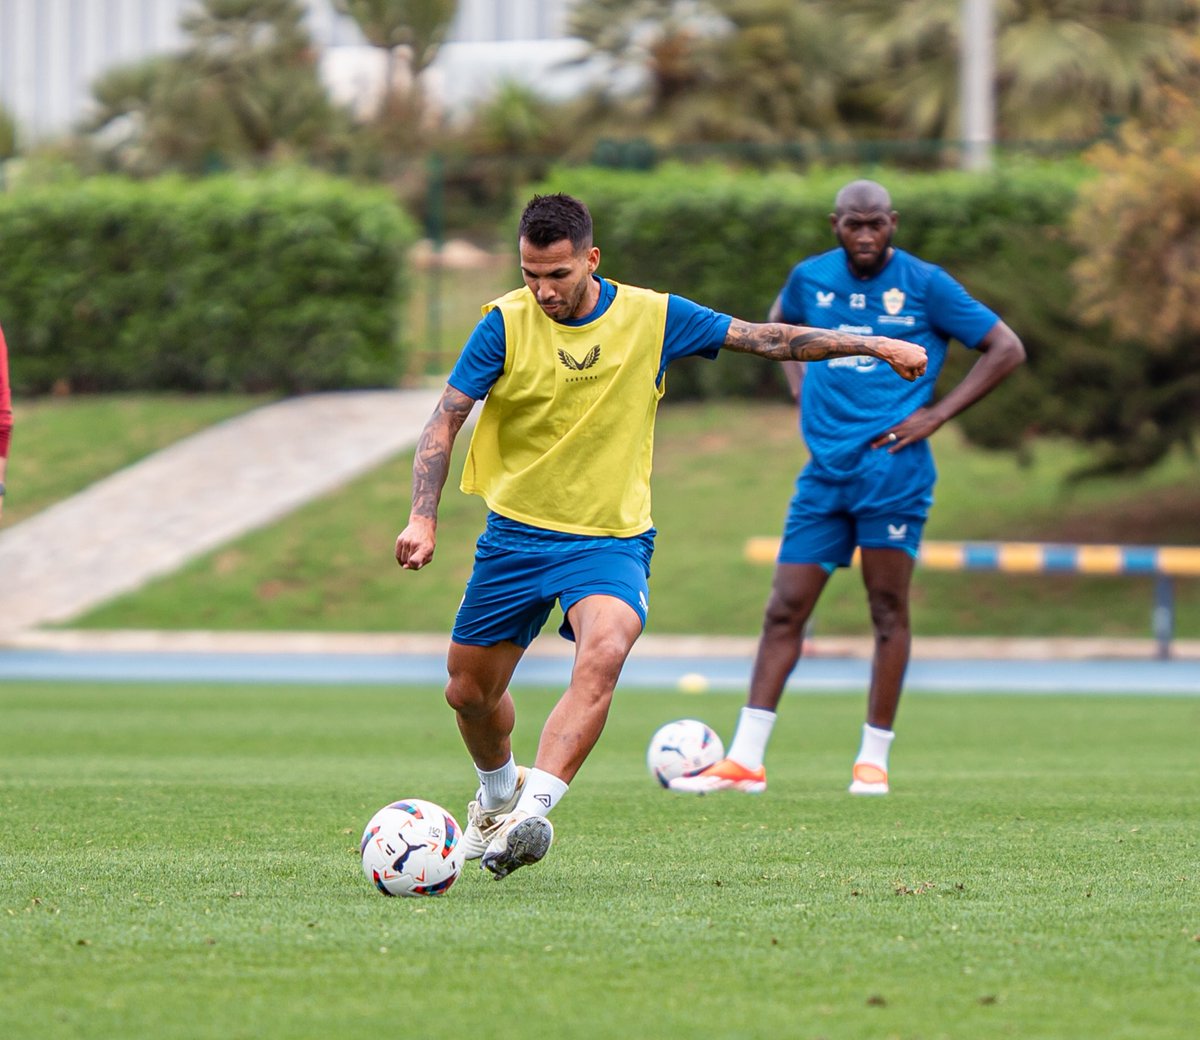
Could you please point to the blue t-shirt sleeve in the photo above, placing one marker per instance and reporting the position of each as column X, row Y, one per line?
column 692, row 329
column 791, row 299
column 955, row 313
column 481, row 362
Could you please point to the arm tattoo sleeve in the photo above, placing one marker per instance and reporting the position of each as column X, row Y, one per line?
column 779, row 342
column 431, row 465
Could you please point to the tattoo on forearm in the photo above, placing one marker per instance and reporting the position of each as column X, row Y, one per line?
column 431, row 465
column 779, row 342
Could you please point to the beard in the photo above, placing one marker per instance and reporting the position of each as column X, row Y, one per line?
column 870, row 264
column 569, row 303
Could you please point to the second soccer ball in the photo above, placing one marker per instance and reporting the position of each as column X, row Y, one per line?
column 683, row 748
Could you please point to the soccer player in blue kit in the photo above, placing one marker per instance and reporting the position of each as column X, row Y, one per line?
column 870, row 476
column 571, row 370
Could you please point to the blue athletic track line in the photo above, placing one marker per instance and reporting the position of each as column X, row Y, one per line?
column 701, row 674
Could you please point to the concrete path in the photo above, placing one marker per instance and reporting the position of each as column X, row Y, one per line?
column 149, row 519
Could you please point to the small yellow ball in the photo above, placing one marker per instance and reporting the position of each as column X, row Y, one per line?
column 693, row 682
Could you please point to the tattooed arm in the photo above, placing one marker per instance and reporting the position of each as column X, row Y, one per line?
column 778, row 342
column 793, row 371
column 431, row 466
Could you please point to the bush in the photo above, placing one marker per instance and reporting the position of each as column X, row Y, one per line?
column 729, row 239
column 284, row 282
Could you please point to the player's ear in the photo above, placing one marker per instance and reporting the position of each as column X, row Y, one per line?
column 593, row 259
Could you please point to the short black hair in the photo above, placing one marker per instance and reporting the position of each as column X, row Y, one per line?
column 551, row 218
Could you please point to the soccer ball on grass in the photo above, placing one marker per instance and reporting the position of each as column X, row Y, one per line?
column 411, row 848
column 684, row 747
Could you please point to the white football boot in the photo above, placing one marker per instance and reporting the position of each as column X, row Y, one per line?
column 523, row 839
column 484, row 824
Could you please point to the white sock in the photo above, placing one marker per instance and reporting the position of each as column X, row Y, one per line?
column 541, row 792
column 876, row 743
column 498, row 784
column 750, row 738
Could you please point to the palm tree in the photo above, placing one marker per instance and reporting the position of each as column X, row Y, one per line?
column 1065, row 68
column 777, row 65
column 245, row 86
column 256, row 58
column 656, row 48
column 691, row 71
column 418, row 25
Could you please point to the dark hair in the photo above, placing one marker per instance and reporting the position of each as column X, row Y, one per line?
column 551, row 218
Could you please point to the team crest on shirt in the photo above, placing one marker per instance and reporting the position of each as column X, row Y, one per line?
column 589, row 359
column 893, row 301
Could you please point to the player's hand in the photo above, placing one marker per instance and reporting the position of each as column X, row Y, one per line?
column 415, row 544
column 921, row 424
column 907, row 359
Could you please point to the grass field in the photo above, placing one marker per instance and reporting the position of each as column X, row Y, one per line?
column 181, row 862
column 722, row 472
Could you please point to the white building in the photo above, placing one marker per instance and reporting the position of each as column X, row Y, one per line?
column 51, row 51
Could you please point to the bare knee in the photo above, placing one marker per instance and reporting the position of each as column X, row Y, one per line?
column 889, row 613
column 786, row 612
column 598, row 668
column 468, row 696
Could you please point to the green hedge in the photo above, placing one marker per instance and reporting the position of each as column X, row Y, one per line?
column 288, row 281
column 728, row 239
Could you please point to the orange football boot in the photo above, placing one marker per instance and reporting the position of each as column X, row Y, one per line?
column 726, row 775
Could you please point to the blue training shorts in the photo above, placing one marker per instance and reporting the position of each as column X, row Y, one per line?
column 882, row 506
column 511, row 592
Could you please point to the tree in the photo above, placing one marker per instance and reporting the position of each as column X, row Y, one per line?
column 658, row 42
column 716, row 71
column 245, row 87
column 777, row 65
column 512, row 139
column 785, row 71
column 1065, row 68
column 147, row 119
column 1138, row 225
column 257, row 58
column 8, row 135
column 419, row 26
column 660, row 61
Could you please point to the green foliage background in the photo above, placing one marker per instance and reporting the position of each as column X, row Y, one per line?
column 289, row 281
column 728, row 239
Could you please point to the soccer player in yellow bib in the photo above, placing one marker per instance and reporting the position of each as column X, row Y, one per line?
column 571, row 370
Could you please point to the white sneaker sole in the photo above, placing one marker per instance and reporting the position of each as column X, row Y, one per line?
column 699, row 785
column 526, row 842
column 861, row 787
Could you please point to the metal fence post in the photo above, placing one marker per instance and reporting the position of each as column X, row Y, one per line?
column 1164, row 614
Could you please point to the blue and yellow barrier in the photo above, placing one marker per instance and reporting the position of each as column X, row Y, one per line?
column 1161, row 562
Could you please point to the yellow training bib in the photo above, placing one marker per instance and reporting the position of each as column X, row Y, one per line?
column 566, row 436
